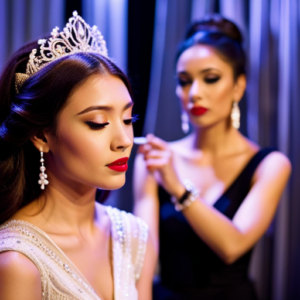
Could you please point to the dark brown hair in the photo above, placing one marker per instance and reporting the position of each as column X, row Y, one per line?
column 221, row 34
column 34, row 109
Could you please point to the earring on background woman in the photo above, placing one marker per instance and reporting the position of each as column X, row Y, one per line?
column 185, row 126
column 236, row 115
column 43, row 181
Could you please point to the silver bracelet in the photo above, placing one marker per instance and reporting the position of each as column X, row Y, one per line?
column 190, row 195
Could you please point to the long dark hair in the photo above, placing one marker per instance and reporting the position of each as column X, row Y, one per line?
column 35, row 108
column 221, row 34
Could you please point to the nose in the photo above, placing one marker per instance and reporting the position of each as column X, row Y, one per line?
column 122, row 138
column 195, row 91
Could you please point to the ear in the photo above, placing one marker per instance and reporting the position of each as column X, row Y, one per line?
column 240, row 87
column 40, row 142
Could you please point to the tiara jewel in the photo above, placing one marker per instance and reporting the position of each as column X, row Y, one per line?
column 76, row 37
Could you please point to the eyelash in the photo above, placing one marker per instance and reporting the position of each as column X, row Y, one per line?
column 211, row 80
column 182, row 82
column 207, row 80
column 97, row 126
column 132, row 120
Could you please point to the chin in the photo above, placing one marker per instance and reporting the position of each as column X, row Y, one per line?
column 112, row 183
column 204, row 125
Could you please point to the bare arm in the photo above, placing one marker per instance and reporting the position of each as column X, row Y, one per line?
column 144, row 284
column 146, row 203
column 231, row 239
column 146, row 206
column 227, row 238
column 19, row 277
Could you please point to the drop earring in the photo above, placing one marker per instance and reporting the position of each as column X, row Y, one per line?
column 236, row 115
column 43, row 176
column 185, row 126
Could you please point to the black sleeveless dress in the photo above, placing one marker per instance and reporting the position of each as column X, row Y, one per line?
column 189, row 269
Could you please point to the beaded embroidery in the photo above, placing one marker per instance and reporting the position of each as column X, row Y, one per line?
column 60, row 278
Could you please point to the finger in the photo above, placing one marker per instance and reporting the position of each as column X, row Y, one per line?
column 147, row 147
column 156, row 154
column 156, row 142
column 140, row 149
column 144, row 148
column 156, row 164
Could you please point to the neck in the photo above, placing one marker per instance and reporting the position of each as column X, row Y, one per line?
column 71, row 207
column 217, row 139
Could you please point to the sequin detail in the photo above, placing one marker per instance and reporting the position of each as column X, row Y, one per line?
column 60, row 278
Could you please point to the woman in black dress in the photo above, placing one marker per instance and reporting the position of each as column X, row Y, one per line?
column 206, row 233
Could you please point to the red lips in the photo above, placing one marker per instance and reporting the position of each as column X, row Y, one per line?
column 120, row 165
column 198, row 110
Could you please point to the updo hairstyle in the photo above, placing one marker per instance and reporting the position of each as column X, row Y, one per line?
column 34, row 109
column 222, row 35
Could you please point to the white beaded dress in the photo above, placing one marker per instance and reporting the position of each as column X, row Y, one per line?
column 61, row 280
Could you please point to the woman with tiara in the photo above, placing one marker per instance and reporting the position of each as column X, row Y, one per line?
column 209, row 197
column 66, row 130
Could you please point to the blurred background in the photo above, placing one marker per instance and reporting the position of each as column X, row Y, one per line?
column 142, row 37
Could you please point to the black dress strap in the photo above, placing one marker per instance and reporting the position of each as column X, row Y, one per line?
column 232, row 198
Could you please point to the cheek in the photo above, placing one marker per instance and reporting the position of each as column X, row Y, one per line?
column 222, row 96
column 77, row 141
column 79, row 154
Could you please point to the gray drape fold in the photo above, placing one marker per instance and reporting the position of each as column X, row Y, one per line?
column 110, row 16
column 270, row 111
column 24, row 20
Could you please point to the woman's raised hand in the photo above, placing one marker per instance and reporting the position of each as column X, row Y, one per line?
column 159, row 160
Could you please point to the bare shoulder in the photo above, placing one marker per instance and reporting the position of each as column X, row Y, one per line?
column 17, row 263
column 276, row 160
column 19, row 277
column 274, row 165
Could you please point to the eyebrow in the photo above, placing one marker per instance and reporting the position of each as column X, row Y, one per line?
column 103, row 107
column 202, row 71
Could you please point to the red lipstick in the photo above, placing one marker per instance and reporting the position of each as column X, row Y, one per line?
column 120, row 165
column 198, row 110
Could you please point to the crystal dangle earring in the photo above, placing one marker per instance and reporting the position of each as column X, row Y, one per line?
column 43, row 176
column 185, row 126
column 236, row 115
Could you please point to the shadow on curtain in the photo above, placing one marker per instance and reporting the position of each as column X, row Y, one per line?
column 270, row 111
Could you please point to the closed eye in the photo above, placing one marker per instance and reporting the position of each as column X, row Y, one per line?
column 211, row 79
column 131, row 120
column 183, row 82
column 96, row 126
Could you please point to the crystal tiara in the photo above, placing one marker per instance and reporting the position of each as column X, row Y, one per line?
column 76, row 37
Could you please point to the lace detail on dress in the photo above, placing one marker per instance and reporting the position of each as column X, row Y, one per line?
column 61, row 280
column 142, row 243
column 124, row 226
column 56, row 275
